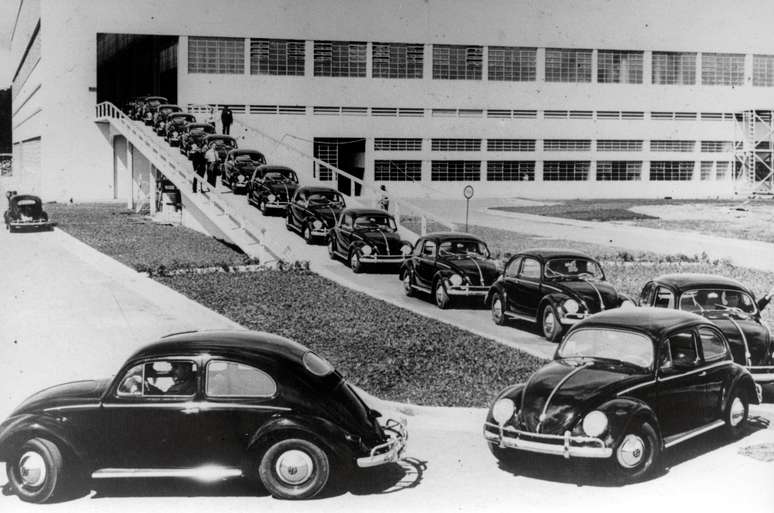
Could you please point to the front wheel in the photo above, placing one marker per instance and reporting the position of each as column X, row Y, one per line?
column 507, row 457
column 408, row 284
column 354, row 261
column 552, row 328
column 307, row 234
column 498, row 309
column 442, row 299
column 294, row 468
column 35, row 474
column 637, row 455
column 736, row 414
column 262, row 206
column 331, row 248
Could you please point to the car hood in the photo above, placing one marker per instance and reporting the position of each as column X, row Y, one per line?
column 67, row 394
column 756, row 335
column 326, row 213
column 577, row 387
column 480, row 271
column 282, row 190
column 386, row 243
column 589, row 292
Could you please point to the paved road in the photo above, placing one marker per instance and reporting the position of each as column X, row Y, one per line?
column 69, row 313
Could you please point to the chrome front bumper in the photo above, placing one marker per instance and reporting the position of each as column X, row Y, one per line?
column 569, row 319
column 381, row 259
column 467, row 290
column 29, row 224
column 389, row 451
column 277, row 204
column 319, row 232
column 558, row 445
column 762, row 373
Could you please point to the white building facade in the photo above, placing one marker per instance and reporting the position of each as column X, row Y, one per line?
column 551, row 99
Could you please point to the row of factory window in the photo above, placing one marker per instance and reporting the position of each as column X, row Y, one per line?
column 552, row 170
column 656, row 145
column 418, row 112
column 287, row 57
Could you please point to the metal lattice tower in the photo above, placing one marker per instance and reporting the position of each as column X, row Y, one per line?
column 753, row 147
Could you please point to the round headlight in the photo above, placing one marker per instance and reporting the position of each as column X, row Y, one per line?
column 405, row 249
column 571, row 306
column 240, row 178
column 626, row 303
column 272, row 198
column 366, row 250
column 317, row 224
column 595, row 423
column 455, row 279
column 503, row 410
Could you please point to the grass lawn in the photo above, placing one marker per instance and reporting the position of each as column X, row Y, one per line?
column 388, row 351
column 138, row 242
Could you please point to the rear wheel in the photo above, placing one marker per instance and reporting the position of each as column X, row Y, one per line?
column 497, row 306
column 552, row 328
column 637, row 455
column 736, row 414
column 294, row 468
column 35, row 473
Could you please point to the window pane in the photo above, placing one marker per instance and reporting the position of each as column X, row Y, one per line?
column 510, row 170
column 674, row 68
column 711, row 344
column 397, row 60
column 512, row 63
column 566, row 65
column 763, row 70
column 455, row 144
column 216, row 55
column 565, row 170
column 722, row 69
column 668, row 170
column 397, row 144
column 618, row 170
column 615, row 66
column 457, row 62
column 232, row 379
column 339, row 59
column 530, row 269
column 455, row 170
column 276, row 57
column 398, row 170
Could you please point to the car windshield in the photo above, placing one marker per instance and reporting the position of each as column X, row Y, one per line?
column 249, row 158
column 224, row 142
column 280, row 175
column 608, row 344
column 376, row 221
column 575, row 268
column 323, row 197
column 702, row 300
column 463, row 249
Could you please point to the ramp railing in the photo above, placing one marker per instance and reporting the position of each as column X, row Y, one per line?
column 181, row 174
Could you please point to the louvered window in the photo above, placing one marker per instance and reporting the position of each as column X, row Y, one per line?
column 397, row 60
column 339, row 59
column 277, row 57
column 457, row 62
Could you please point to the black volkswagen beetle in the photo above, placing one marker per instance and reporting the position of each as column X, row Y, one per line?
column 175, row 126
column 160, row 117
column 193, row 137
column 365, row 236
column 313, row 212
column 238, row 168
column 623, row 386
column 449, row 265
column 554, row 288
column 727, row 303
column 271, row 188
column 25, row 211
column 203, row 405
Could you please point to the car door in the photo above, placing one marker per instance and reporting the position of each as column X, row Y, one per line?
column 527, row 290
column 680, row 388
column 239, row 398
column 344, row 233
column 716, row 357
column 426, row 264
column 255, row 185
column 150, row 421
column 511, row 283
column 298, row 209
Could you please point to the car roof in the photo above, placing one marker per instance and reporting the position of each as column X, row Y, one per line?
column 19, row 197
column 212, row 137
column 170, row 106
column 199, row 125
column 684, row 281
column 546, row 253
column 243, row 343
column 365, row 211
column 316, row 188
column 272, row 167
column 452, row 235
column 654, row 322
column 181, row 114
column 155, row 98
column 245, row 151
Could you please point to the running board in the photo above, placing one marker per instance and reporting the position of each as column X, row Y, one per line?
column 203, row 473
column 682, row 437
column 512, row 315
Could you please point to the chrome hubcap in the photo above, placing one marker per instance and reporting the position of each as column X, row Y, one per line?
column 497, row 309
column 32, row 469
column 737, row 412
column 631, row 451
column 294, row 467
column 549, row 323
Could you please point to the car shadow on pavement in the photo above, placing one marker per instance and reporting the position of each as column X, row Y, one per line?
column 395, row 477
column 174, row 488
column 598, row 473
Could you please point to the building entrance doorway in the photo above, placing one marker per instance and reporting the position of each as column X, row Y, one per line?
column 345, row 153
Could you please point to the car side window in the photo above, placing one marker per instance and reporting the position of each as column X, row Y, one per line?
column 680, row 351
column 428, row 249
column 712, row 345
column 664, row 298
column 512, row 270
column 346, row 221
column 418, row 247
column 159, row 378
column 530, row 269
column 234, row 379
column 647, row 290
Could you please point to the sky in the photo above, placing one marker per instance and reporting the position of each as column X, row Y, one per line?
column 8, row 10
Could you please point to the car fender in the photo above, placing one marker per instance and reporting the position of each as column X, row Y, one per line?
column 513, row 392
column 406, row 267
column 742, row 380
column 23, row 427
column 556, row 299
column 623, row 413
column 497, row 286
column 331, row 436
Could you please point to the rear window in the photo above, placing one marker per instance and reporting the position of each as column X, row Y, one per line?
column 317, row 365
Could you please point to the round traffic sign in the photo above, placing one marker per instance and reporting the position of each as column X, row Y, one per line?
column 468, row 191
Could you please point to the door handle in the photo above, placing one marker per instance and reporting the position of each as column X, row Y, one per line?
column 190, row 410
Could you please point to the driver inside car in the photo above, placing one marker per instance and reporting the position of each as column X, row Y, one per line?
column 184, row 380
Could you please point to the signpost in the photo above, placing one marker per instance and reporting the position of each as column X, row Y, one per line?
column 468, row 193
